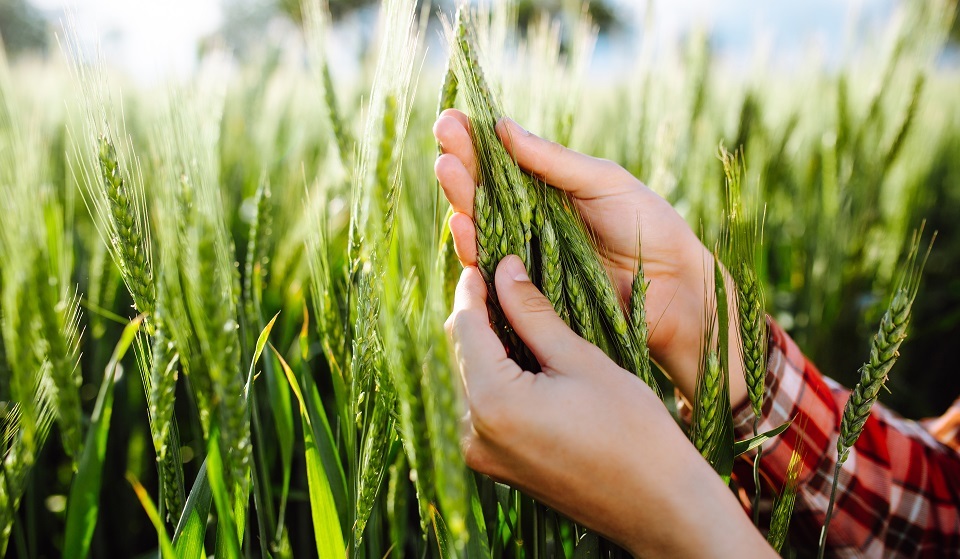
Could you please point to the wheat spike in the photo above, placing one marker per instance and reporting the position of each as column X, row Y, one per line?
column 171, row 476
column 405, row 366
column 739, row 241
column 60, row 323
column 783, row 505
column 883, row 354
column 378, row 434
column 448, row 89
column 443, row 403
column 873, row 374
column 551, row 271
column 712, row 428
column 638, row 325
column 255, row 261
column 753, row 335
column 316, row 18
column 707, row 410
column 130, row 243
column 163, row 385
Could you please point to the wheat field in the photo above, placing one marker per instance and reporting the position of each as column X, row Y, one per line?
column 222, row 301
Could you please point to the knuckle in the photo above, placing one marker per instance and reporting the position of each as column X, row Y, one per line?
column 472, row 455
column 614, row 170
column 478, row 459
column 556, row 150
column 545, row 154
column 538, row 304
column 448, row 325
column 455, row 324
column 488, row 414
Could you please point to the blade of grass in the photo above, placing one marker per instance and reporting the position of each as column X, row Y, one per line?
column 282, row 412
column 262, row 497
column 262, row 494
column 747, row 445
column 477, row 545
column 188, row 537
column 261, row 343
column 83, row 504
column 166, row 547
column 227, row 543
column 326, row 444
column 323, row 510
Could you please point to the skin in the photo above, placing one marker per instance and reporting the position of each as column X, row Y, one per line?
column 585, row 436
column 614, row 204
column 945, row 427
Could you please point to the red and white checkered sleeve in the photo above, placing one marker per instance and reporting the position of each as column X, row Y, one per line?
column 899, row 491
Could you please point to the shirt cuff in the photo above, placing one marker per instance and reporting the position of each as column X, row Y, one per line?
column 794, row 391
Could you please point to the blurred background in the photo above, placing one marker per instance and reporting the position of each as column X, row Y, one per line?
column 152, row 44
column 848, row 112
column 152, row 40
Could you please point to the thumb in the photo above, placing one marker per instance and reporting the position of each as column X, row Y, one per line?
column 532, row 315
column 581, row 175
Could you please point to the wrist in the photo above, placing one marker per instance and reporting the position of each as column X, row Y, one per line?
column 698, row 515
column 680, row 356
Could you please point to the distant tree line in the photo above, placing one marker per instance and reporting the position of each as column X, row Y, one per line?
column 22, row 27
column 245, row 19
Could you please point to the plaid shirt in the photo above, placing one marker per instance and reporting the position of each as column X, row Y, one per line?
column 899, row 490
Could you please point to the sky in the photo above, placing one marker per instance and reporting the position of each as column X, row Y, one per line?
column 152, row 39
column 144, row 37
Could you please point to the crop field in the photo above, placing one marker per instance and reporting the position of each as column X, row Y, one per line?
column 222, row 302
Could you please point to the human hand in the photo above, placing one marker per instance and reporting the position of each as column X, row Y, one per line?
column 614, row 205
column 584, row 436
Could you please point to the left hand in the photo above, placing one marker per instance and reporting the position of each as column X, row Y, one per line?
column 585, row 436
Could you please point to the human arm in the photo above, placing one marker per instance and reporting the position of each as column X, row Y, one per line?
column 613, row 203
column 899, row 491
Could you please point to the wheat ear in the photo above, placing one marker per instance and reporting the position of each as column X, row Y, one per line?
column 873, row 374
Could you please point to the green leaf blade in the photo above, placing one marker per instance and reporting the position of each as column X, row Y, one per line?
column 83, row 504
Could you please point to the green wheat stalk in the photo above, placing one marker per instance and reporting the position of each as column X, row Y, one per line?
column 712, row 427
column 740, row 239
column 873, row 374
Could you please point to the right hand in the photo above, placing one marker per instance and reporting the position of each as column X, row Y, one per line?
column 614, row 205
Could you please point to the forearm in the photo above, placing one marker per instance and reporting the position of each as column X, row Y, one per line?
column 899, row 489
column 701, row 519
column 668, row 501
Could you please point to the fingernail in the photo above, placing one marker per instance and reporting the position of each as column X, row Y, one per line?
column 515, row 268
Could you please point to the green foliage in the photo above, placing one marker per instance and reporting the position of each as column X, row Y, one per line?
column 288, row 189
column 83, row 504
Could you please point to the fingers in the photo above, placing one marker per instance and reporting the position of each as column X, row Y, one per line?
column 532, row 316
column 464, row 239
column 452, row 130
column 458, row 186
column 482, row 358
column 583, row 176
